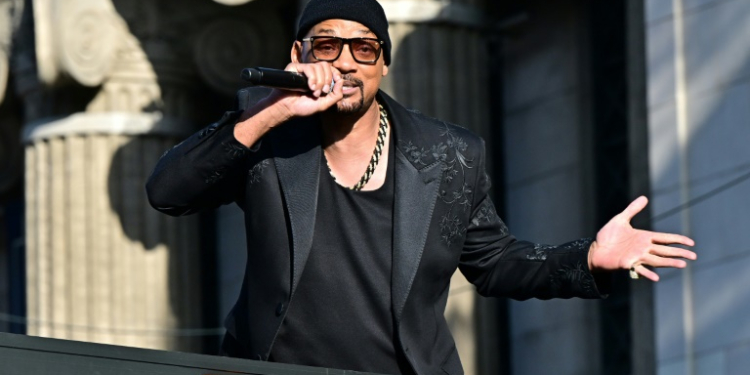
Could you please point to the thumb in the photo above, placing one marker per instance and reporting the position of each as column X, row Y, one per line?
column 635, row 207
column 337, row 93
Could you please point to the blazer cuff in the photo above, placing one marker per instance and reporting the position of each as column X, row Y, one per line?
column 574, row 278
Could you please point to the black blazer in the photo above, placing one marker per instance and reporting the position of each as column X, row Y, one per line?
column 443, row 220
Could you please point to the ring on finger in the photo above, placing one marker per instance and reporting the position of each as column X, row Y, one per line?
column 633, row 274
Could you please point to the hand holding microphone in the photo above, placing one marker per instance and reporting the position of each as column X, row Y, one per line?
column 302, row 90
column 287, row 80
column 276, row 78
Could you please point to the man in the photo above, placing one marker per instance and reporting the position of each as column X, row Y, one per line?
column 358, row 211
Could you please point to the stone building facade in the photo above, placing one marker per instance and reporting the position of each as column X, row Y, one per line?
column 93, row 91
column 105, row 86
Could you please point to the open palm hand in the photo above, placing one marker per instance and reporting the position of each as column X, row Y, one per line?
column 620, row 246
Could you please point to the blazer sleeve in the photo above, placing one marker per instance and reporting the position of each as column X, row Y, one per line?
column 208, row 169
column 202, row 172
column 499, row 265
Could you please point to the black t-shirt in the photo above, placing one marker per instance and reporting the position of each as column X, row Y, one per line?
column 340, row 315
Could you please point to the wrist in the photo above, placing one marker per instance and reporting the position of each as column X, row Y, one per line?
column 259, row 120
column 592, row 249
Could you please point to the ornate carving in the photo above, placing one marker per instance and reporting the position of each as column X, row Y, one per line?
column 6, row 8
column 78, row 38
column 3, row 70
column 44, row 41
column 89, row 36
column 233, row 2
column 226, row 46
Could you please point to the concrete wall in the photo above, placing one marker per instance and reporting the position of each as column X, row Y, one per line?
column 548, row 179
column 699, row 91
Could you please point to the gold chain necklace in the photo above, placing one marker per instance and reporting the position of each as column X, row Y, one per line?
column 382, row 131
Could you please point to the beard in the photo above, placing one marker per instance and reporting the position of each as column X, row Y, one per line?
column 346, row 107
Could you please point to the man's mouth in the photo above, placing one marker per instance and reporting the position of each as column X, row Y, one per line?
column 351, row 85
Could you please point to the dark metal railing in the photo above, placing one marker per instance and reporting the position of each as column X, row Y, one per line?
column 27, row 355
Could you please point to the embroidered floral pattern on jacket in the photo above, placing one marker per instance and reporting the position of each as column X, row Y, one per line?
column 460, row 196
column 255, row 172
column 441, row 152
column 457, row 193
column 415, row 154
column 216, row 175
column 451, row 228
column 582, row 244
column 487, row 213
column 566, row 278
column 540, row 252
column 451, row 153
column 235, row 150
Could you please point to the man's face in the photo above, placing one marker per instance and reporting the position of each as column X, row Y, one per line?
column 361, row 80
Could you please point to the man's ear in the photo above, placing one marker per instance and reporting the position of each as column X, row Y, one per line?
column 385, row 70
column 297, row 52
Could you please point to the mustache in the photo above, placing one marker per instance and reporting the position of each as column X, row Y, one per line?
column 350, row 78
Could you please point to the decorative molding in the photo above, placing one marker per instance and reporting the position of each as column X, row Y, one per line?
column 5, row 37
column 3, row 71
column 90, row 38
column 114, row 123
column 44, row 41
column 232, row 2
column 77, row 38
column 414, row 11
column 227, row 45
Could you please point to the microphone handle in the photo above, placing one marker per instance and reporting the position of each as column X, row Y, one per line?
column 276, row 78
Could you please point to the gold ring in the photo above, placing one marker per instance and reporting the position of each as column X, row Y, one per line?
column 634, row 275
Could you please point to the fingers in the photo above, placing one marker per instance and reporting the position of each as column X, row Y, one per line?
column 671, row 239
column 662, row 257
column 672, row 252
column 319, row 76
column 661, row 262
column 327, row 78
column 335, row 95
column 645, row 272
column 635, row 207
column 337, row 91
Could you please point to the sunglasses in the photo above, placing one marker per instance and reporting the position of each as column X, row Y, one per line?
column 328, row 48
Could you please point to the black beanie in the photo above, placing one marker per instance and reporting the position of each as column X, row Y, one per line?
column 366, row 12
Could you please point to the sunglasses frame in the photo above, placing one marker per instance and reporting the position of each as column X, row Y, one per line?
column 345, row 41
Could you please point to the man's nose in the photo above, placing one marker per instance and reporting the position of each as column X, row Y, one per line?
column 345, row 62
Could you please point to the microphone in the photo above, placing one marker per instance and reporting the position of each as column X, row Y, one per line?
column 276, row 78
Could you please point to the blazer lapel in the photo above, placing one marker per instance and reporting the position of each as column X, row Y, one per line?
column 416, row 193
column 414, row 203
column 297, row 158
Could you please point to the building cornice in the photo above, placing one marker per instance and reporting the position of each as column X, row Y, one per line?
column 110, row 123
column 445, row 12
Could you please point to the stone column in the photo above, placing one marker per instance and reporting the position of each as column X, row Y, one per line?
column 439, row 67
column 10, row 151
column 102, row 265
column 108, row 85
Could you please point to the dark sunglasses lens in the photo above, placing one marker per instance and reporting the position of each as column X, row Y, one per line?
column 365, row 50
column 326, row 48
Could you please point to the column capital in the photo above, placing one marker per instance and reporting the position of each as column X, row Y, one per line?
column 232, row 2
column 75, row 39
column 6, row 30
column 112, row 123
column 441, row 11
